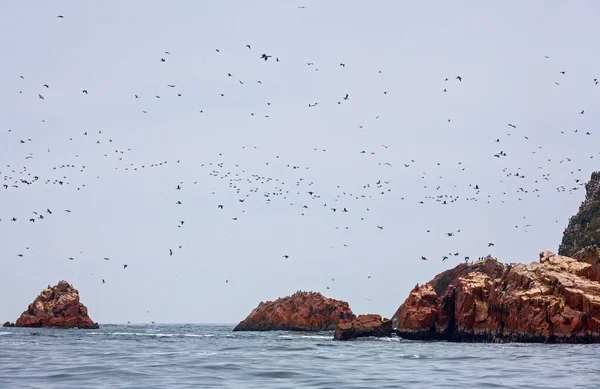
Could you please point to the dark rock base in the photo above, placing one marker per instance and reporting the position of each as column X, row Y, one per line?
column 497, row 338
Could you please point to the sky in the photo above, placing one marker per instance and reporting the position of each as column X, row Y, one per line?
column 275, row 161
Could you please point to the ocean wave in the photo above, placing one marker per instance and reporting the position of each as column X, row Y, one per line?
column 156, row 335
column 316, row 337
column 122, row 357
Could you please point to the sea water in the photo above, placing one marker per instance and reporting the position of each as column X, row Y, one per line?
column 212, row 356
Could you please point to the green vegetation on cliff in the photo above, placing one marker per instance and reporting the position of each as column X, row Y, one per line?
column 584, row 228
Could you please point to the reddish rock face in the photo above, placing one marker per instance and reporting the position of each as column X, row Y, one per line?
column 555, row 300
column 363, row 326
column 591, row 255
column 303, row 311
column 57, row 306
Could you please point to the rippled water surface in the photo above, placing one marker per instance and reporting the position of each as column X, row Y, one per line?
column 212, row 356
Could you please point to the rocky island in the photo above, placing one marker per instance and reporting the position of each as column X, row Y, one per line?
column 363, row 326
column 56, row 306
column 302, row 311
column 554, row 300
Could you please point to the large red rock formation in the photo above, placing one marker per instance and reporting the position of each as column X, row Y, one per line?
column 57, row 306
column 303, row 311
column 363, row 326
column 555, row 300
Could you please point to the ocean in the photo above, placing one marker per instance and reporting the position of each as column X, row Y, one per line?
column 212, row 356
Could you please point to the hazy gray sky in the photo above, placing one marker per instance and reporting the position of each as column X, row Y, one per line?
column 113, row 49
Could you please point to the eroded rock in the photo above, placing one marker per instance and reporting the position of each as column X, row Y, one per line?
column 57, row 306
column 363, row 326
column 554, row 300
column 303, row 311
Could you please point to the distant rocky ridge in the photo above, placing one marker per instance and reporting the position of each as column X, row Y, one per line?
column 584, row 228
column 56, row 306
column 303, row 311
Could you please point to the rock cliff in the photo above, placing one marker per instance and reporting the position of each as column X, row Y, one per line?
column 303, row 311
column 56, row 306
column 554, row 300
column 584, row 228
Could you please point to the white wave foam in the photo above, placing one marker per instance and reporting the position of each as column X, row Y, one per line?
column 317, row 337
column 5, row 333
column 389, row 339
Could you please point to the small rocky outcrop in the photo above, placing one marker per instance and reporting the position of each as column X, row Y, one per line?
column 363, row 326
column 303, row 311
column 584, row 228
column 555, row 300
column 8, row 324
column 57, row 306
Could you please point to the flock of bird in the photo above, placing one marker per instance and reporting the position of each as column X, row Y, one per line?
column 295, row 188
